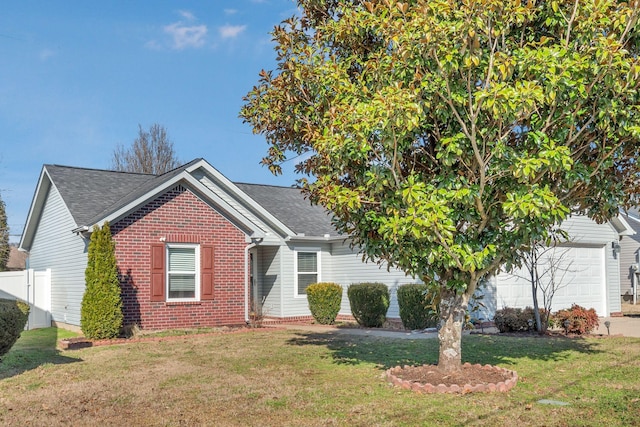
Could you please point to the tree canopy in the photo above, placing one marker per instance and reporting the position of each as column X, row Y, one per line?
column 151, row 152
column 444, row 136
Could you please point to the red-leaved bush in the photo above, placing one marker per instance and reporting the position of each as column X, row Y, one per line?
column 581, row 320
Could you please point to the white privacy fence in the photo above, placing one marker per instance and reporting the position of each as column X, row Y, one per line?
column 32, row 287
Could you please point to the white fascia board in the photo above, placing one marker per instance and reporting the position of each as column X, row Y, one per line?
column 45, row 183
column 330, row 239
column 621, row 226
column 37, row 203
column 231, row 188
column 184, row 176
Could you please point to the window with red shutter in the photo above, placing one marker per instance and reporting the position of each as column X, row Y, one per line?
column 183, row 278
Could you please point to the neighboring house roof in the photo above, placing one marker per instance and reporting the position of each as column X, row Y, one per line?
column 93, row 196
column 289, row 206
column 634, row 213
column 17, row 259
column 632, row 216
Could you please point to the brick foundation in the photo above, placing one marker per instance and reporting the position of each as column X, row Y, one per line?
column 178, row 216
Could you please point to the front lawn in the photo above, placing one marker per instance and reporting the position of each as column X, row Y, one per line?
column 293, row 378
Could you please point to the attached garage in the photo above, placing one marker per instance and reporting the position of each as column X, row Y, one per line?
column 576, row 273
column 585, row 269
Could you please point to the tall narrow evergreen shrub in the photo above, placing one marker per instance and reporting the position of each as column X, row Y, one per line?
column 101, row 311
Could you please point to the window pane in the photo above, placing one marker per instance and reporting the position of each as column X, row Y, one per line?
column 182, row 286
column 305, row 280
column 182, row 259
column 307, row 262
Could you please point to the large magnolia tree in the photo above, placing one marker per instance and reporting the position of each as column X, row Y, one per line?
column 444, row 136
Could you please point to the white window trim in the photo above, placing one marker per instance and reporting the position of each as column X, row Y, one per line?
column 318, row 253
column 197, row 272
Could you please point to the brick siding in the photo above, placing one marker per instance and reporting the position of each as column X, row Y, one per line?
column 178, row 216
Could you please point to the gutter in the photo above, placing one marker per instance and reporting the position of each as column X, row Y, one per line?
column 325, row 238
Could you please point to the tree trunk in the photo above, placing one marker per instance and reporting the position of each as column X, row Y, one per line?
column 453, row 309
column 534, row 292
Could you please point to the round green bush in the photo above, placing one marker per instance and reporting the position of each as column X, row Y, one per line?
column 369, row 303
column 13, row 318
column 324, row 301
column 417, row 306
column 510, row 319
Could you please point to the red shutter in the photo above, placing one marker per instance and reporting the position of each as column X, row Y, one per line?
column 157, row 272
column 206, row 269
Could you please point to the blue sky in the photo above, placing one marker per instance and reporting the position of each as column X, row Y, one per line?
column 78, row 77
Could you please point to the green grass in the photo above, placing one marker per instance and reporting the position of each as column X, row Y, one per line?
column 281, row 378
column 34, row 348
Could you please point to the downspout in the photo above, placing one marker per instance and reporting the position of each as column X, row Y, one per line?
column 635, row 287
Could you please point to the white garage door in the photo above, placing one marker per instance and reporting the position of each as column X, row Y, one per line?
column 579, row 274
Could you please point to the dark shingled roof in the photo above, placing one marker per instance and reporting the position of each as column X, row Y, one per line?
column 87, row 192
column 291, row 208
column 92, row 194
column 140, row 190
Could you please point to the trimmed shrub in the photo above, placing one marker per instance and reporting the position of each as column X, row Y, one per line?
column 581, row 320
column 369, row 303
column 418, row 308
column 324, row 301
column 101, row 311
column 13, row 317
column 511, row 319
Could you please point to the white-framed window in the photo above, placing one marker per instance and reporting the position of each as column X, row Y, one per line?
column 307, row 270
column 183, row 272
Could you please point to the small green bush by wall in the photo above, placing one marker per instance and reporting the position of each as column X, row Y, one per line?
column 13, row 317
column 324, row 301
column 510, row 319
column 369, row 303
column 418, row 306
column 101, row 310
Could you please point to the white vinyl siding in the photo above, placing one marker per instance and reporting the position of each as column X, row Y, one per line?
column 270, row 280
column 348, row 268
column 629, row 255
column 584, row 230
column 293, row 305
column 54, row 246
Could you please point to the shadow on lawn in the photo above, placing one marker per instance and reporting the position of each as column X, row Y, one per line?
column 483, row 349
column 34, row 348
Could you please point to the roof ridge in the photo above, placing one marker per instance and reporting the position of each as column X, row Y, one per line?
column 97, row 170
column 183, row 166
